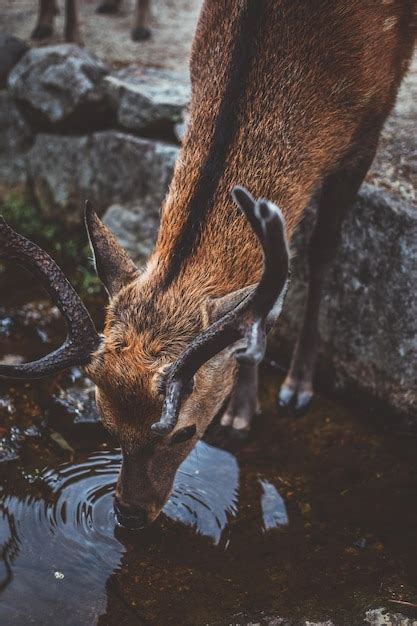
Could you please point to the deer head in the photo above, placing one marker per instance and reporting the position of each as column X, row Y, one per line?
column 163, row 366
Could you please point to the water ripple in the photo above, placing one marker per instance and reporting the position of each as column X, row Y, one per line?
column 62, row 547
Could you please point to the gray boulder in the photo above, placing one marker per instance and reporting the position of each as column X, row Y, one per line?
column 61, row 85
column 15, row 140
column 107, row 168
column 368, row 321
column 135, row 227
column 11, row 51
column 147, row 98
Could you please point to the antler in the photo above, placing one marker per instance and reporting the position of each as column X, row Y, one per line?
column 82, row 339
column 246, row 321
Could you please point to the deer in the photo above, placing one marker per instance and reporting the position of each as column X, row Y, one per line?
column 48, row 10
column 288, row 98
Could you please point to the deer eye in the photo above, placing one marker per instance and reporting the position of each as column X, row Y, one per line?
column 183, row 435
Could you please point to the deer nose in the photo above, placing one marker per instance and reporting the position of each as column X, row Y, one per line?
column 130, row 517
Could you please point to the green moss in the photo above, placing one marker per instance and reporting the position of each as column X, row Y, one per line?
column 66, row 244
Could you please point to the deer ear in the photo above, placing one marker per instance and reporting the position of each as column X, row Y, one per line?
column 113, row 265
column 214, row 308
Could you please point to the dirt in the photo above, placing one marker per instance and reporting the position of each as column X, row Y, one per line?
column 173, row 23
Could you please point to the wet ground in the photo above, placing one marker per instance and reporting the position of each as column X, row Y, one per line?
column 312, row 518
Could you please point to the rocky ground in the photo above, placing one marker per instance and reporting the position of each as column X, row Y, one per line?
column 172, row 23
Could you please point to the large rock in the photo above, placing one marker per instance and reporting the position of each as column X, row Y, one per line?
column 395, row 165
column 11, row 51
column 61, row 86
column 368, row 321
column 15, row 140
column 147, row 98
column 107, row 167
column 135, row 227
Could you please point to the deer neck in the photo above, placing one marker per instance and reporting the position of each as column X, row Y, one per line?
column 241, row 131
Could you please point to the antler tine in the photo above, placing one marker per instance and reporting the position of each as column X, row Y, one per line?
column 82, row 339
column 271, row 287
column 247, row 320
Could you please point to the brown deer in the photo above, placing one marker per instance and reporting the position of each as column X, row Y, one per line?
column 288, row 96
column 48, row 9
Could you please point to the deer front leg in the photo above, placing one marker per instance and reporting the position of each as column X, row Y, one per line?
column 141, row 30
column 337, row 195
column 45, row 24
column 72, row 30
column 109, row 6
column 243, row 404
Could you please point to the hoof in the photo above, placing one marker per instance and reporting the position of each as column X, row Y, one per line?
column 140, row 33
column 236, row 422
column 107, row 8
column 41, row 31
column 293, row 395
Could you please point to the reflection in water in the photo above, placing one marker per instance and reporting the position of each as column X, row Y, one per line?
column 55, row 550
column 66, row 545
column 9, row 546
column 274, row 511
column 205, row 491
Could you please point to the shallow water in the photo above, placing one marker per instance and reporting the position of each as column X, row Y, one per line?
column 311, row 518
column 64, row 545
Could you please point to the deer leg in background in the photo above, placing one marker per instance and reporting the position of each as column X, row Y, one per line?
column 337, row 195
column 45, row 24
column 72, row 32
column 109, row 6
column 244, row 403
column 141, row 30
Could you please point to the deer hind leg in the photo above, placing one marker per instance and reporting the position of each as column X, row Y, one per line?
column 243, row 404
column 46, row 16
column 141, row 30
column 337, row 195
column 72, row 32
column 109, row 6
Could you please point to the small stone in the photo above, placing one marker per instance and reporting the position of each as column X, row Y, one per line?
column 305, row 508
column 380, row 617
column 77, row 402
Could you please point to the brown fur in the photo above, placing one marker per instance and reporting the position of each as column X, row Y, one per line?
column 323, row 77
